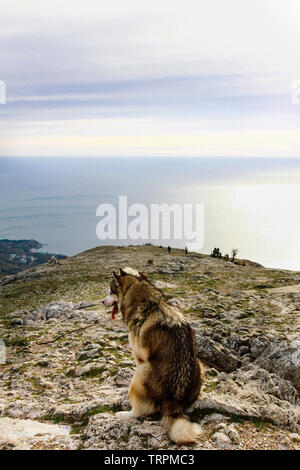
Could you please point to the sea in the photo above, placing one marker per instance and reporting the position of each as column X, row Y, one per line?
column 251, row 204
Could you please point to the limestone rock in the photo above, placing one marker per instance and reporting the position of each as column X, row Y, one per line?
column 216, row 354
column 29, row 434
column 222, row 440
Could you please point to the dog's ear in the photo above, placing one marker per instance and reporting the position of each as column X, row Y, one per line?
column 143, row 276
column 122, row 273
column 116, row 276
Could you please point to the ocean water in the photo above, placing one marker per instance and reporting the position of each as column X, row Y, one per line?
column 249, row 203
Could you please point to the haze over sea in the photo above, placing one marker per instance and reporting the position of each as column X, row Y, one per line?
column 250, row 203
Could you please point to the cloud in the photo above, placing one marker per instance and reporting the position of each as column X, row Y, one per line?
column 199, row 65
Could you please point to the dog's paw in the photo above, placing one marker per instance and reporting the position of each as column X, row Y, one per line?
column 124, row 415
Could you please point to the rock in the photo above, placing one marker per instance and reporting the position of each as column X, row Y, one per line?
column 164, row 285
column 212, row 418
column 90, row 369
column 14, row 411
column 284, row 446
column 283, row 359
column 222, row 440
column 123, row 377
column 216, row 354
column 21, row 409
column 29, row 434
column 232, row 433
column 34, row 413
column 5, row 445
column 6, row 376
column 111, row 399
column 53, row 310
column 257, row 347
column 269, row 383
column 294, row 437
column 17, row 322
column 83, row 304
column 243, row 350
column 220, row 427
column 105, row 430
column 87, row 354
column 243, row 398
column 177, row 303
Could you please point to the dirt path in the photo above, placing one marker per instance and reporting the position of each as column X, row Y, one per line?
column 293, row 289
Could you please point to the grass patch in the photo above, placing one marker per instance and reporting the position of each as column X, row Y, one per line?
column 17, row 341
column 199, row 414
column 258, row 423
column 211, row 387
column 77, row 428
column 58, row 419
column 246, row 315
column 95, row 372
column 113, row 371
column 84, row 356
column 104, row 409
column 212, row 373
column 42, row 364
column 262, row 286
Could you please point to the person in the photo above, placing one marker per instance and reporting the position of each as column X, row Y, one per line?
column 169, row 249
column 186, row 250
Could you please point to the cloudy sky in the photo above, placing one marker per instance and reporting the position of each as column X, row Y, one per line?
column 166, row 77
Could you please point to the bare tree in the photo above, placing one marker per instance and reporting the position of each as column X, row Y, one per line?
column 234, row 253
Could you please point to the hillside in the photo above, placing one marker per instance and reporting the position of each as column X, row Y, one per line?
column 18, row 255
column 69, row 364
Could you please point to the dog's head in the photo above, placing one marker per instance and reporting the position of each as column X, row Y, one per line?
column 119, row 286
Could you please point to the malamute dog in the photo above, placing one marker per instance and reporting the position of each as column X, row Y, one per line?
column 168, row 375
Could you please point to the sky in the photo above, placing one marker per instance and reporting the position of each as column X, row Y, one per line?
column 159, row 78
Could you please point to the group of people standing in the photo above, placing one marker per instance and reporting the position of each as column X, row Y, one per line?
column 185, row 250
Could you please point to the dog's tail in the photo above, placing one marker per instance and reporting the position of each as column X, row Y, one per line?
column 179, row 428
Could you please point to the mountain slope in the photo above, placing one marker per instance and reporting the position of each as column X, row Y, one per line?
column 68, row 363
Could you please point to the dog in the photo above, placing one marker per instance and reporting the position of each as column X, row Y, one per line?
column 168, row 376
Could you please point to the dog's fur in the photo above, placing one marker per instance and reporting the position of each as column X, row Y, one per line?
column 168, row 376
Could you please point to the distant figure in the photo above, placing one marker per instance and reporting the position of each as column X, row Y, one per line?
column 186, row 250
column 169, row 249
column 53, row 260
column 216, row 253
column 150, row 261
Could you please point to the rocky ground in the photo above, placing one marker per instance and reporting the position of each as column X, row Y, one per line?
column 68, row 364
